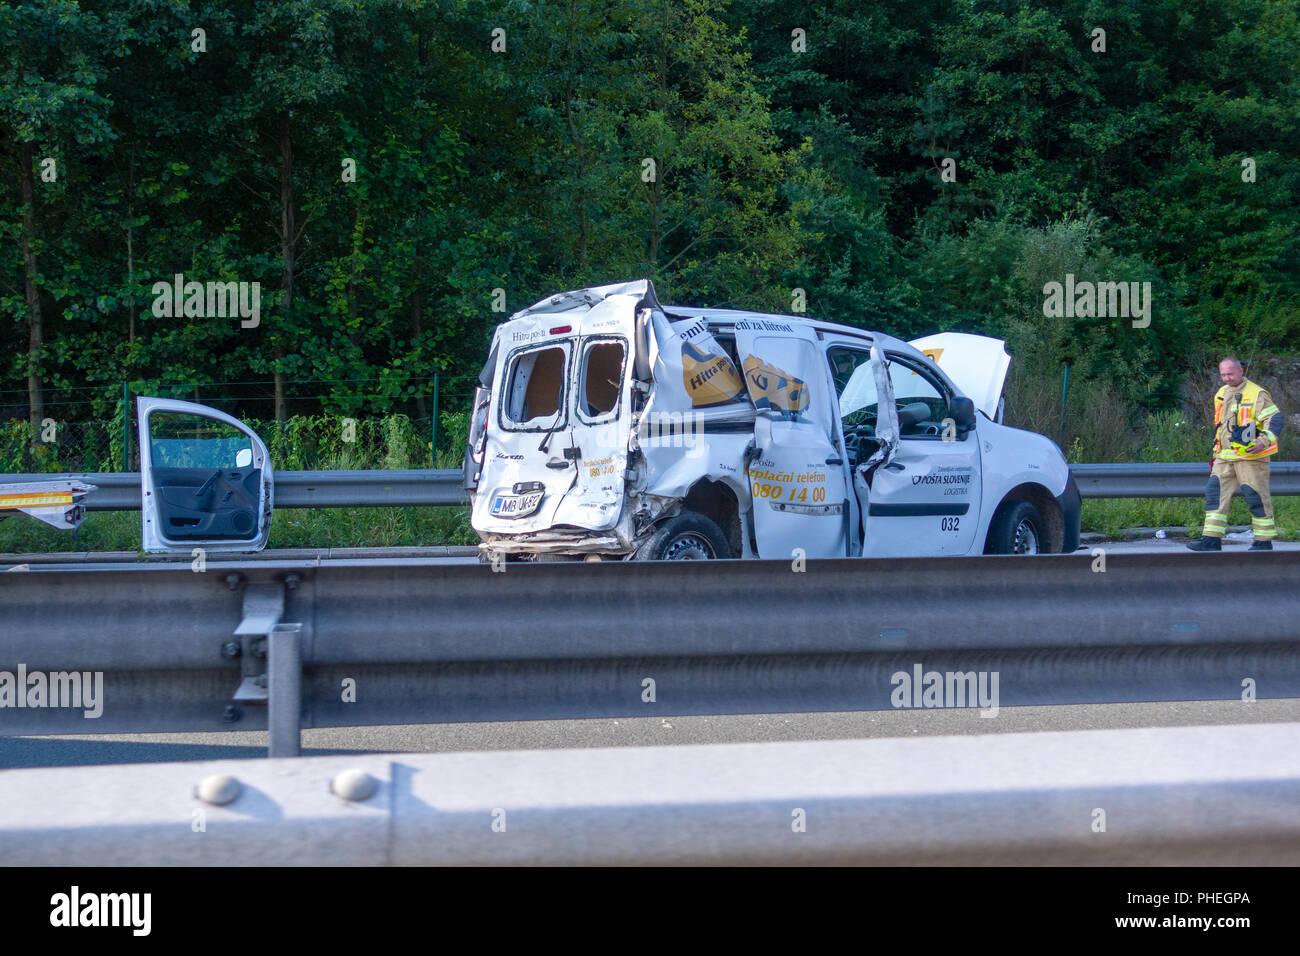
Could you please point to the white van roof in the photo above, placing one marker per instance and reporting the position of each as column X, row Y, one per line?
column 727, row 317
column 975, row 365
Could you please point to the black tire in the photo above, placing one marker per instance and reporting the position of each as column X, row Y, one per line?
column 1016, row 528
column 684, row 537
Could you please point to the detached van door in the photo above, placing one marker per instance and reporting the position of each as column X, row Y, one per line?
column 797, row 475
column 205, row 479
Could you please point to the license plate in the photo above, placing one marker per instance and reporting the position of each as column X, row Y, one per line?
column 516, row 506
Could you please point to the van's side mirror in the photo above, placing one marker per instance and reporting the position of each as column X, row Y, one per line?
column 963, row 413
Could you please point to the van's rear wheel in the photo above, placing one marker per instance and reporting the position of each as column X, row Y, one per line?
column 684, row 537
column 1016, row 528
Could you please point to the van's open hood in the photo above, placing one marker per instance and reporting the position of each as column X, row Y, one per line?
column 976, row 364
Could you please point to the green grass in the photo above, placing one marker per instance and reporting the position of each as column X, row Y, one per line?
column 371, row 527
column 413, row 527
column 101, row 531
column 1111, row 515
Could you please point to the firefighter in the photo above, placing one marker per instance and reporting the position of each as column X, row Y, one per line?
column 1247, row 426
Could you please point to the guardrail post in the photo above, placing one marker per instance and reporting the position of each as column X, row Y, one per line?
column 284, row 672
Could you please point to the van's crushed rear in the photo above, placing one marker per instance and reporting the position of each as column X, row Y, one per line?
column 590, row 424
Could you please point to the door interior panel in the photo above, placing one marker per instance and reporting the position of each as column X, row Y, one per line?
column 208, row 503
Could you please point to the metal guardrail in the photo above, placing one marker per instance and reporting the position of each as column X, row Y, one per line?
column 1168, row 797
column 1169, row 480
column 181, row 650
column 411, row 555
column 120, row 491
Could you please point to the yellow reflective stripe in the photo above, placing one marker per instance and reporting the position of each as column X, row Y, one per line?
column 36, row 499
column 1251, row 456
column 1268, row 412
column 1216, row 521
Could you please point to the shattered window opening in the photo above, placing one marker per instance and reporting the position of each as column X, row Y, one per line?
column 856, row 388
column 914, row 385
column 852, row 373
column 535, row 386
column 602, row 378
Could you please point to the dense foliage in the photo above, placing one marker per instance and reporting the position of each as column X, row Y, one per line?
column 504, row 145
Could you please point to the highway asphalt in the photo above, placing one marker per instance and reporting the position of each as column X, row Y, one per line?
column 638, row 732
column 308, row 557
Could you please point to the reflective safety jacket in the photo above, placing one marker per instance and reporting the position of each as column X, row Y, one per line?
column 1246, row 417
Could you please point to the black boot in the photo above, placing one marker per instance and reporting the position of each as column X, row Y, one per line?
column 1205, row 543
column 1265, row 545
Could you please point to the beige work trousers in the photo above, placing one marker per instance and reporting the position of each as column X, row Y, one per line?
column 1250, row 478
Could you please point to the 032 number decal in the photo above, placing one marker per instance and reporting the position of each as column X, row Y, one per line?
column 948, row 524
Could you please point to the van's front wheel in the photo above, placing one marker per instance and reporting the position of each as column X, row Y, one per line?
column 684, row 537
column 1016, row 528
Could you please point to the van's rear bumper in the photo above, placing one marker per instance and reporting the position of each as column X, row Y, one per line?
column 554, row 542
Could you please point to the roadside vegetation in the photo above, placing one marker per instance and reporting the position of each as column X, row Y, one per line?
column 302, row 444
column 315, row 444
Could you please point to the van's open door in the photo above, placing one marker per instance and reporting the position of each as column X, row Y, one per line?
column 205, row 479
column 797, row 475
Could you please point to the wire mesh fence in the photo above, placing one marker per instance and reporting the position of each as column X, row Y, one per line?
column 93, row 428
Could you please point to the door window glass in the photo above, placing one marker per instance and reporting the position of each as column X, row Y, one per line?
column 178, row 440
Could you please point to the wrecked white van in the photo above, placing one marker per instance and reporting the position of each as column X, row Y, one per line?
column 608, row 426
